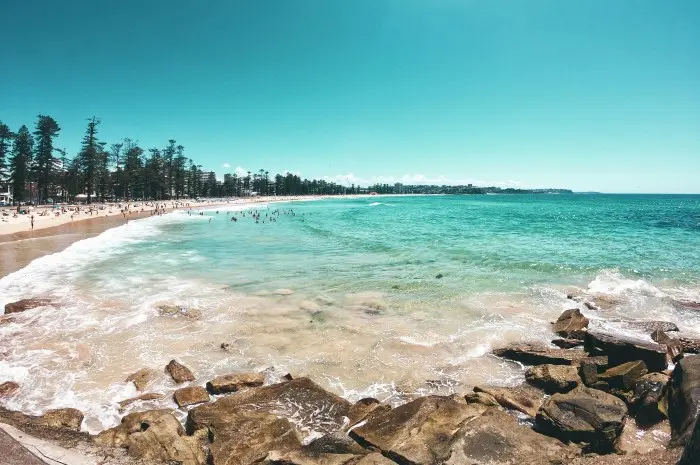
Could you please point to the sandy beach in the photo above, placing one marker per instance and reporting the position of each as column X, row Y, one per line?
column 20, row 244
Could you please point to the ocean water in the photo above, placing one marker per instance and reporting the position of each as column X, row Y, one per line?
column 345, row 291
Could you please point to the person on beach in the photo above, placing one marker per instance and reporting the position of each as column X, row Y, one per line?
column 32, row 221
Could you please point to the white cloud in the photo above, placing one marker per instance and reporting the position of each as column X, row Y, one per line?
column 241, row 172
column 226, row 165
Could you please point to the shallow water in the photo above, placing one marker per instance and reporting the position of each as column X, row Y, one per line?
column 367, row 315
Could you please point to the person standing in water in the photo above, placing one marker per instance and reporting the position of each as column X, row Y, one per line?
column 32, row 221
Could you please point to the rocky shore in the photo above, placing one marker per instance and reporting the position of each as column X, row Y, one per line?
column 581, row 395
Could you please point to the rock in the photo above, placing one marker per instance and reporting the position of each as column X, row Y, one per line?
column 588, row 371
column 246, row 438
column 234, row 382
column 553, row 378
column 624, row 376
column 622, row 349
column 62, row 418
column 567, row 343
column 335, row 443
column 691, row 453
column 144, row 397
column 523, row 398
column 584, row 415
column 686, row 304
column 538, row 354
column 684, row 399
column 496, row 438
column 153, row 435
column 179, row 311
column 179, row 372
column 419, row 432
column 691, row 345
column 26, row 304
column 8, row 389
column 653, row 325
column 571, row 324
column 190, row 395
column 312, row 407
column 364, row 408
column 300, row 457
column 648, row 393
column 481, row 398
column 674, row 347
column 283, row 292
column 142, row 378
column 225, row 346
column 439, row 276
column 6, row 320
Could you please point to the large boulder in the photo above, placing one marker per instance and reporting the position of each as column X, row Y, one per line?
column 26, row 304
column 539, row 354
column 301, row 457
column 179, row 372
column 420, row 432
column 153, row 435
column 584, row 415
column 621, row 349
column 62, row 418
column 234, row 382
column 313, row 408
column 624, row 376
column 497, row 438
column 8, row 389
column 684, row 399
column 363, row 408
column 571, row 324
column 142, row 378
column 246, row 438
column 691, row 453
column 553, row 378
column 190, row 396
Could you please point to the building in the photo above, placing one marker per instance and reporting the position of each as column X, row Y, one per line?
column 5, row 192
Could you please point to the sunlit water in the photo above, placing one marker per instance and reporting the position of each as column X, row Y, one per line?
column 368, row 315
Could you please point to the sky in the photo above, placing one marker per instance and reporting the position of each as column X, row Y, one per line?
column 592, row 95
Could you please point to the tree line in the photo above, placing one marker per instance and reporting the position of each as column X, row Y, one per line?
column 39, row 172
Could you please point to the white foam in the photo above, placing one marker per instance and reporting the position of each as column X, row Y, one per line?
column 612, row 283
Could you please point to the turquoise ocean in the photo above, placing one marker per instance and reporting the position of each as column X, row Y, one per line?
column 386, row 296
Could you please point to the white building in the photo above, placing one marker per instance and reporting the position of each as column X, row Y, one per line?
column 5, row 192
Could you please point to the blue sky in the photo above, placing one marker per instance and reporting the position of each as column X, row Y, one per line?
column 588, row 94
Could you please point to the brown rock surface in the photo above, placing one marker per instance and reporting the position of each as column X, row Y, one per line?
column 571, row 324
column 524, row 398
column 234, row 382
column 584, row 415
column 154, row 435
column 179, row 372
column 539, row 354
column 8, row 389
column 624, row 376
column 419, row 432
column 143, row 378
column 26, row 304
column 142, row 398
column 553, row 378
column 684, row 399
column 190, row 396
column 622, row 349
column 62, row 418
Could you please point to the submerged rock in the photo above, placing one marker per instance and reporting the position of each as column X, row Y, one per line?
column 62, row 418
column 653, row 325
column 179, row 311
column 190, row 396
column 283, row 292
column 419, row 432
column 584, row 415
column 622, row 349
column 234, row 382
column 154, row 435
column 8, row 389
column 553, row 378
column 143, row 378
column 144, row 397
column 179, row 372
column 684, row 399
column 571, row 324
column 26, row 304
column 539, row 354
